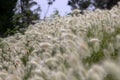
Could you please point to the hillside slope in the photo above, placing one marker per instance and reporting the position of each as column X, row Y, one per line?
column 82, row 47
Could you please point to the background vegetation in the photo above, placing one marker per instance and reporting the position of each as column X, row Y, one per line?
column 16, row 14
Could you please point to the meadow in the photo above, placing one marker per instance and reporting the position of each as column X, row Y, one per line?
column 73, row 47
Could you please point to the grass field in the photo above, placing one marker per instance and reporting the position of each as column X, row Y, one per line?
column 78, row 47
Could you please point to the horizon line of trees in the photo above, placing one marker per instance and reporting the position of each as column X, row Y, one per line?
column 85, row 4
column 16, row 15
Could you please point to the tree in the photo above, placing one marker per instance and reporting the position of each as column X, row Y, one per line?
column 105, row 4
column 24, row 14
column 79, row 4
column 84, row 4
column 17, row 14
column 111, row 3
column 6, row 13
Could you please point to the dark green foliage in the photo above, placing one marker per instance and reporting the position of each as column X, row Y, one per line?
column 24, row 15
column 83, row 4
column 79, row 4
column 6, row 13
column 111, row 3
column 16, row 15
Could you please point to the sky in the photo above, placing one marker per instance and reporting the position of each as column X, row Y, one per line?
column 60, row 5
